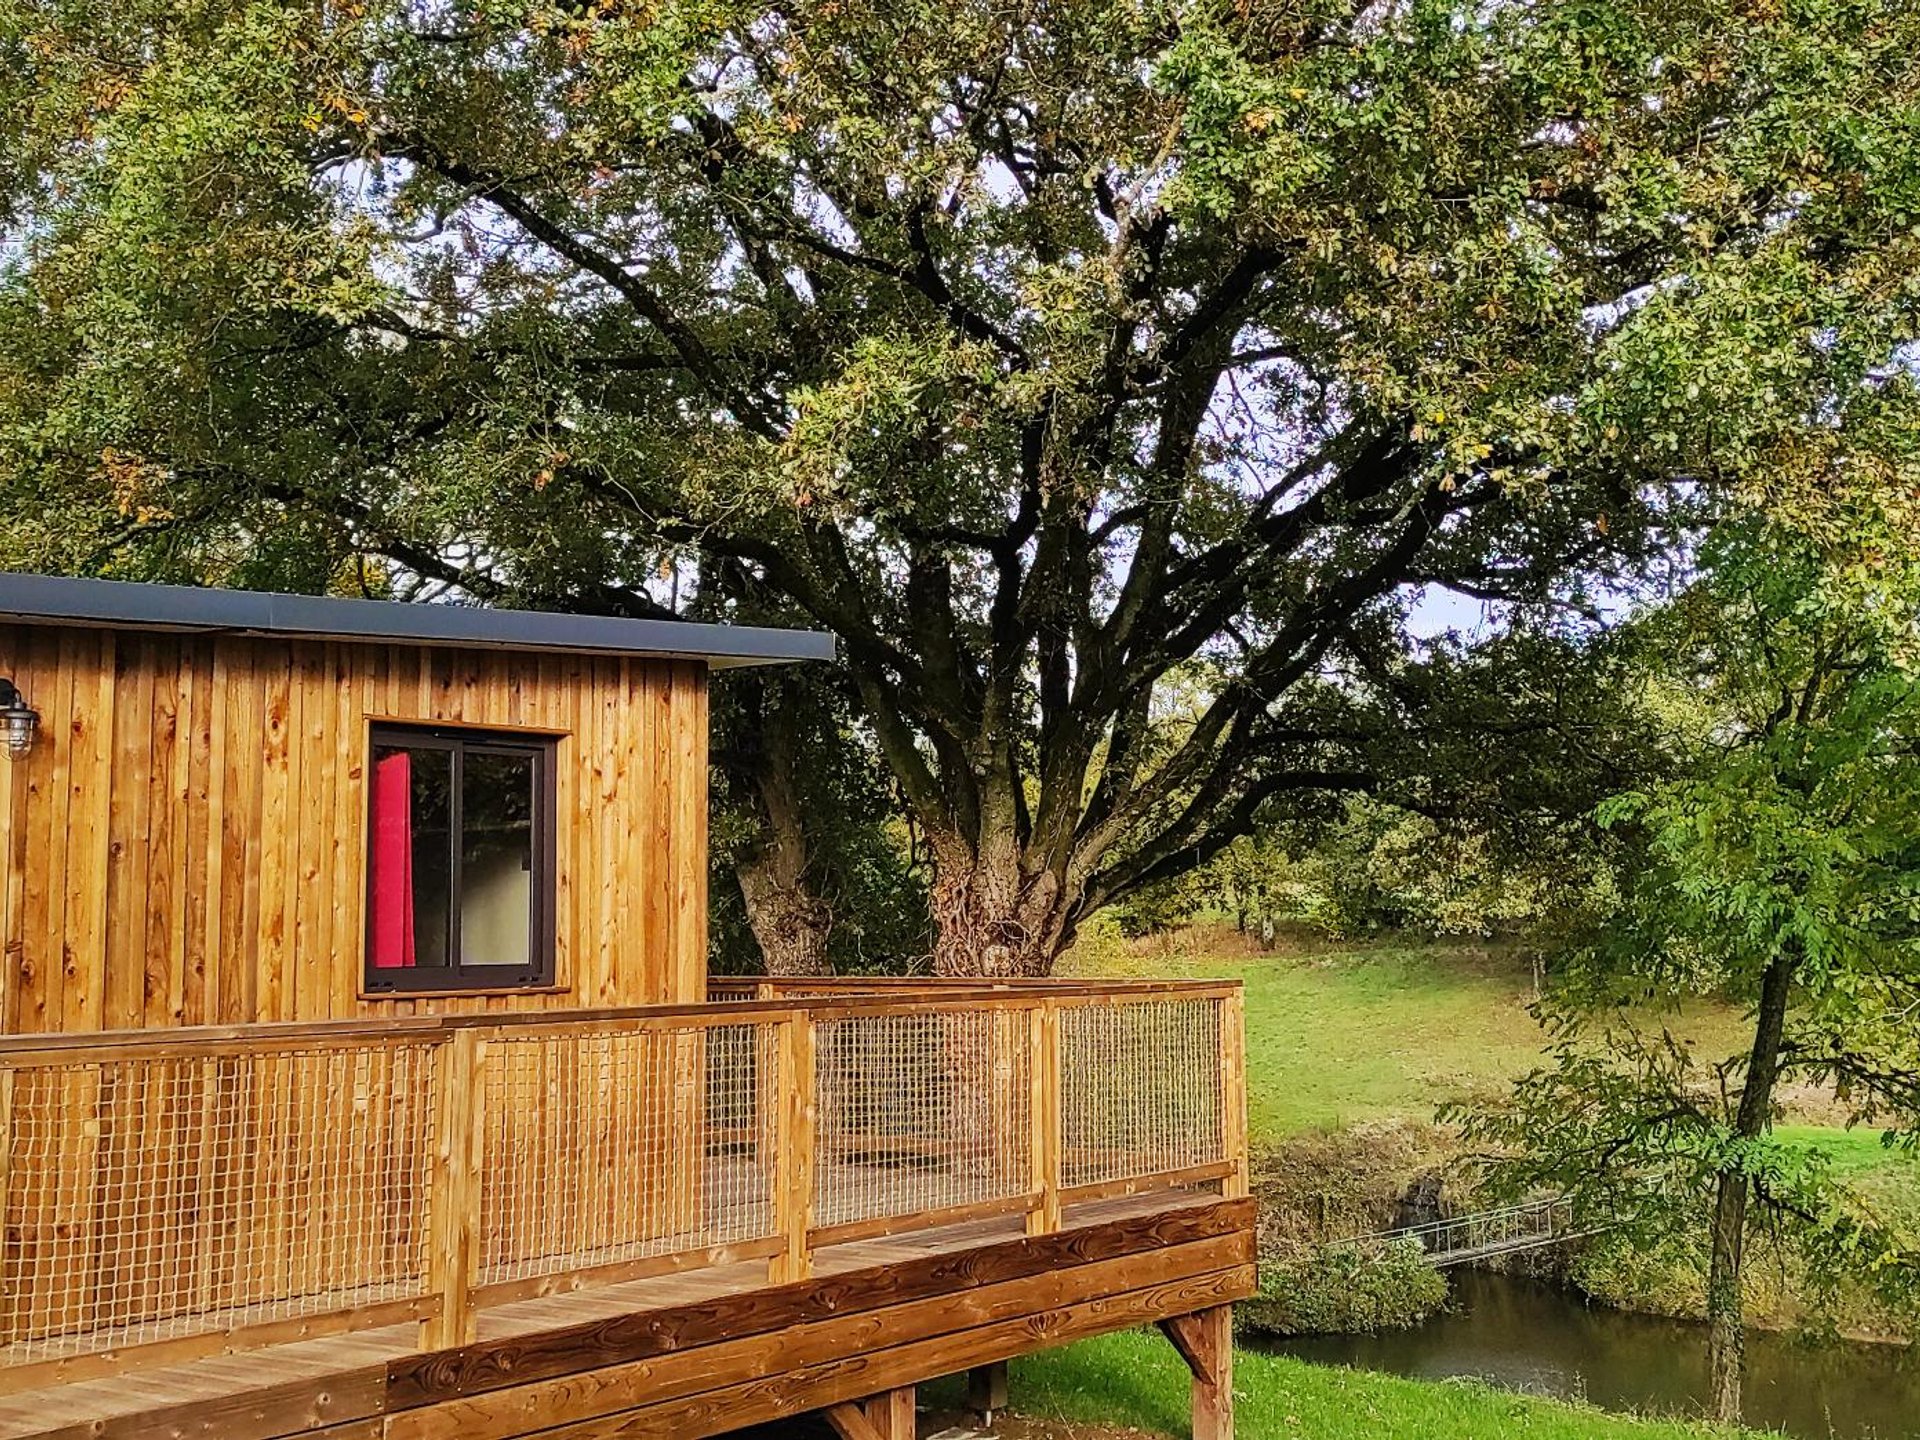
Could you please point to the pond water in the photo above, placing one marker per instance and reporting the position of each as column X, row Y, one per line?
column 1544, row 1340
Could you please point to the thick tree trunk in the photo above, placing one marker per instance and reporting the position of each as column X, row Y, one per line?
column 992, row 915
column 788, row 920
column 1726, row 1317
column 787, row 916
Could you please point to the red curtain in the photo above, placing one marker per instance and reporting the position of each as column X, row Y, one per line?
column 393, row 862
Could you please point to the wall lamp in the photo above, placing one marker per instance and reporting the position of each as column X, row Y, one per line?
column 19, row 721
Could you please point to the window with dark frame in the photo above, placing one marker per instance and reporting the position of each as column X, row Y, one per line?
column 460, row 860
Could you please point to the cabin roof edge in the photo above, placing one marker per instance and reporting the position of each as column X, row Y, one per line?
column 28, row 599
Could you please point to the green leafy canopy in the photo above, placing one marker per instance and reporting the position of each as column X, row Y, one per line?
column 1062, row 357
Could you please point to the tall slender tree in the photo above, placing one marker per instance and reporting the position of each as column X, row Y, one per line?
column 1782, row 871
column 1059, row 356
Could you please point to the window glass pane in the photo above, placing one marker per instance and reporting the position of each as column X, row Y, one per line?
column 496, row 877
column 411, row 883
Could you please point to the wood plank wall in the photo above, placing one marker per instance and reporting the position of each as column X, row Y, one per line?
column 186, row 844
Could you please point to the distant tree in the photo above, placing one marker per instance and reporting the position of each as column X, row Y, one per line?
column 1382, row 867
column 1248, row 881
column 1052, row 356
column 1782, row 871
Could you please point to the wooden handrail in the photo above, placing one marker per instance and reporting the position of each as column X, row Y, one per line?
column 928, row 982
column 824, row 986
column 868, row 999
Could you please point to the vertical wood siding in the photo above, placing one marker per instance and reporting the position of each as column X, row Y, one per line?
column 186, row 844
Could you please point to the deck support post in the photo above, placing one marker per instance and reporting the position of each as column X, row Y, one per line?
column 892, row 1413
column 1205, row 1341
column 886, row 1416
column 987, row 1390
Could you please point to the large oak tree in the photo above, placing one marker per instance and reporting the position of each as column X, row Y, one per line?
column 1111, row 376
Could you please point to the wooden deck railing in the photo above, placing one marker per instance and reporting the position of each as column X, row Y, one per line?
column 177, row 1193
column 825, row 987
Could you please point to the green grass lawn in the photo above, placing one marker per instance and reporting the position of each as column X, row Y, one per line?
column 1371, row 1032
column 1853, row 1153
column 1136, row 1380
column 1395, row 1030
column 1888, row 1179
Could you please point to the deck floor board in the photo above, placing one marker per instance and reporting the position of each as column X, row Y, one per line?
column 339, row 1378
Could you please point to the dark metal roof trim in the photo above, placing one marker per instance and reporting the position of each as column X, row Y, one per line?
column 60, row 600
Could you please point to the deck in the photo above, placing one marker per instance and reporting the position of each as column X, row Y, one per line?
column 692, row 1354
column 594, row 1225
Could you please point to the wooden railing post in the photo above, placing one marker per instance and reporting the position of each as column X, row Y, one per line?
column 6, row 1197
column 455, row 1231
column 793, row 1148
column 1044, row 1115
column 1233, row 1095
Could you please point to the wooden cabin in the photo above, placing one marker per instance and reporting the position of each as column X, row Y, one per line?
column 361, row 1075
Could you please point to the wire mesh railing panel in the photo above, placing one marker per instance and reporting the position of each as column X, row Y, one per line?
column 218, row 1183
column 150, row 1198
column 921, row 1112
column 602, row 1148
column 1140, row 1089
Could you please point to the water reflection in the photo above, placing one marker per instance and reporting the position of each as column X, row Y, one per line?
column 1545, row 1341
